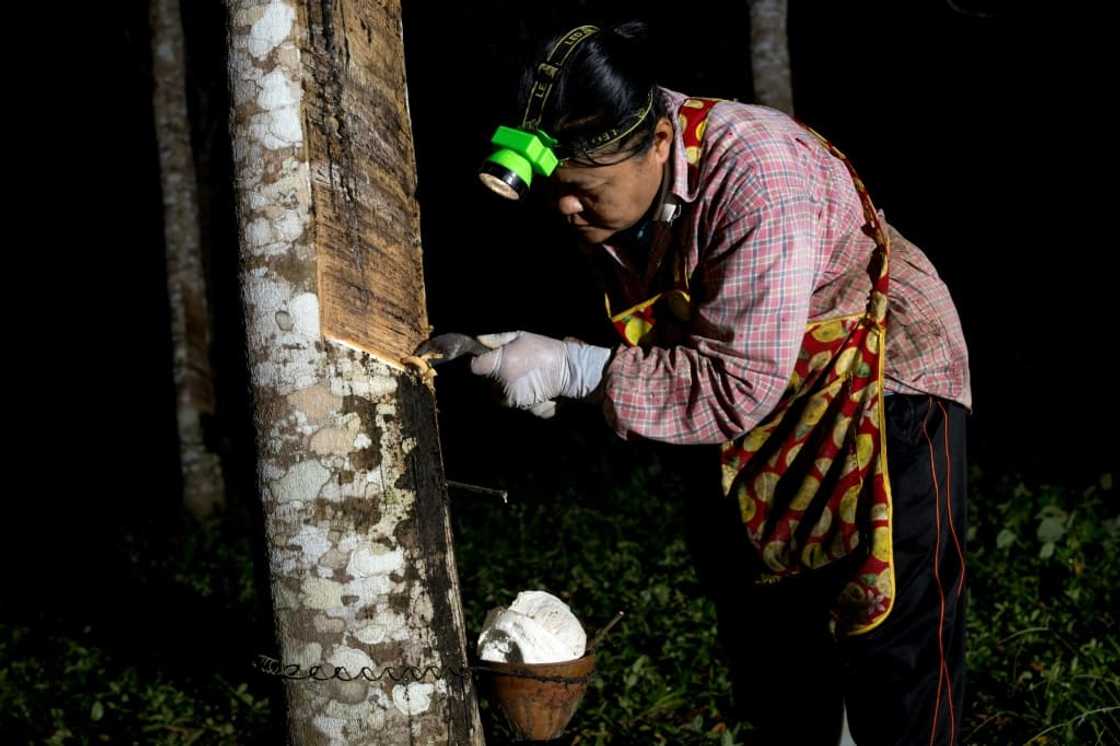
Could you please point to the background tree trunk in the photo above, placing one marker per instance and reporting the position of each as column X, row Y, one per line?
column 203, row 485
column 362, row 571
column 770, row 54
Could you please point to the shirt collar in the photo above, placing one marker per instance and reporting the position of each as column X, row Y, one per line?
column 667, row 205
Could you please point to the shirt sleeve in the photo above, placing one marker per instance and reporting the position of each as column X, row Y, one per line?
column 751, row 294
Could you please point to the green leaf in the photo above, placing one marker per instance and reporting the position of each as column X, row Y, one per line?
column 1005, row 538
column 1051, row 529
column 97, row 711
column 1047, row 550
column 1052, row 511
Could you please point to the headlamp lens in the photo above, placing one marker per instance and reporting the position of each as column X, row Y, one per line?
column 507, row 173
column 505, row 184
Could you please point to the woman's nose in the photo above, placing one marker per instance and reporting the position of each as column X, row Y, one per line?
column 569, row 205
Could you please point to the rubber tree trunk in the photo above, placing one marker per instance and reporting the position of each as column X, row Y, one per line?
column 770, row 54
column 350, row 472
column 203, row 486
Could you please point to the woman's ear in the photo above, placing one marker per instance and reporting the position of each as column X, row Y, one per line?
column 662, row 139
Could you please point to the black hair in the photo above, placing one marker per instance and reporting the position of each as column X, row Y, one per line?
column 605, row 84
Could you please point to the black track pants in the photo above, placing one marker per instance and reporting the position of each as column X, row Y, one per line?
column 903, row 681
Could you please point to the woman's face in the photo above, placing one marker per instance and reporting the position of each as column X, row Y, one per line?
column 599, row 201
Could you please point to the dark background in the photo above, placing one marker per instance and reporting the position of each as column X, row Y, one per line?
column 977, row 134
column 982, row 135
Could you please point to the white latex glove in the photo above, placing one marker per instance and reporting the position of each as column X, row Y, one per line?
column 533, row 370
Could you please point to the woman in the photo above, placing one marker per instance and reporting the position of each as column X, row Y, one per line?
column 763, row 305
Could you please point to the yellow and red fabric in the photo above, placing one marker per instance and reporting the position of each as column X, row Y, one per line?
column 811, row 478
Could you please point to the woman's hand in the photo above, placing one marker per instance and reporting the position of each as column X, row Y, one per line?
column 533, row 370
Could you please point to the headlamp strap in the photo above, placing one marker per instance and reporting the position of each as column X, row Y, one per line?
column 546, row 73
column 605, row 138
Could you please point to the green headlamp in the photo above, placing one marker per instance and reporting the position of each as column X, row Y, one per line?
column 509, row 171
column 525, row 149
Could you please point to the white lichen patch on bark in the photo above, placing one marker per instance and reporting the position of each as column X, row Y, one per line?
column 337, row 441
column 414, row 698
column 309, row 655
column 351, row 659
column 317, row 403
column 305, row 312
column 321, row 593
column 373, row 380
column 371, row 589
column 275, row 198
column 277, row 123
column 386, row 626
column 294, row 362
column 271, row 27
column 273, row 237
column 329, row 626
column 313, row 544
column 302, row 482
column 358, row 723
column 361, row 488
column 375, row 559
column 334, row 559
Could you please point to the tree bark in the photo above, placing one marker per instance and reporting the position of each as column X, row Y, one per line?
column 203, row 486
column 770, row 54
column 350, row 472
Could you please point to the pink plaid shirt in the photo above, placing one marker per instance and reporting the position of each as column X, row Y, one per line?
column 772, row 240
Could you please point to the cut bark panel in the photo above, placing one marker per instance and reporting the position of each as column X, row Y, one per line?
column 363, row 181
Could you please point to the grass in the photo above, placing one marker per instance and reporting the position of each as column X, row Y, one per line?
column 1043, row 655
